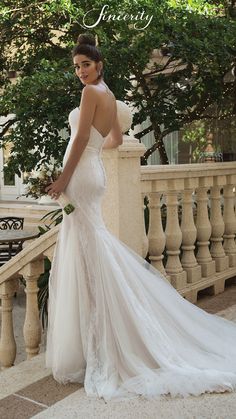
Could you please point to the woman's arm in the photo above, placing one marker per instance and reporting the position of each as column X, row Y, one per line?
column 115, row 136
column 87, row 109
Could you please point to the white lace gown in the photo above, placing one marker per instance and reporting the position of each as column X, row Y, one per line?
column 115, row 323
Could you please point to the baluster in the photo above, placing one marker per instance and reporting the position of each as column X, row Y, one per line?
column 156, row 236
column 218, row 227
column 32, row 326
column 204, row 231
column 189, row 235
column 230, row 220
column 7, row 342
column 145, row 238
column 173, row 242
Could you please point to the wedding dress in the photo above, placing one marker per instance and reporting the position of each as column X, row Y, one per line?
column 115, row 322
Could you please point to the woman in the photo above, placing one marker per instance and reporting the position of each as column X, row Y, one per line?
column 115, row 323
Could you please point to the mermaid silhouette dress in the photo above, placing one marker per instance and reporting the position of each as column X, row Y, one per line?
column 115, row 322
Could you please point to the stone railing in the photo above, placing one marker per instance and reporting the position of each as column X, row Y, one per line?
column 195, row 240
column 29, row 264
column 196, row 203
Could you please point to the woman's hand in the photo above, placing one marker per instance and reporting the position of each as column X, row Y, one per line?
column 56, row 188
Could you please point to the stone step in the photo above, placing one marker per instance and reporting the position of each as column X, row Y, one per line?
column 29, row 388
column 27, row 372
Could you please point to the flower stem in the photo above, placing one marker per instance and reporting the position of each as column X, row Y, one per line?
column 65, row 204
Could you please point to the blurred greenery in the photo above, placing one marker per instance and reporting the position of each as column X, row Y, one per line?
column 195, row 136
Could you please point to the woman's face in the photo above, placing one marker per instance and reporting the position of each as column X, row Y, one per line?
column 86, row 69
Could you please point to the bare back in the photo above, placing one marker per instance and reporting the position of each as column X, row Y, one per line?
column 105, row 113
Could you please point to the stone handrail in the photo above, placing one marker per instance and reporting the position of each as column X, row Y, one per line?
column 199, row 240
column 29, row 263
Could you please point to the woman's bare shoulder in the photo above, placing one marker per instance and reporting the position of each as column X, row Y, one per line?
column 89, row 94
column 90, row 89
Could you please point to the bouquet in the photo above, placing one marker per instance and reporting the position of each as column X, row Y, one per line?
column 39, row 179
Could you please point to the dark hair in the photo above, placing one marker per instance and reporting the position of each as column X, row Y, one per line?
column 86, row 45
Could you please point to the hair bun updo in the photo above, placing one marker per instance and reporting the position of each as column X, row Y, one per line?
column 87, row 45
column 86, row 39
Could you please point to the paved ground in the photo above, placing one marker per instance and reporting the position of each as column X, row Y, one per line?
column 213, row 304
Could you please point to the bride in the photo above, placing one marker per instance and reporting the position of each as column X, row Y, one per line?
column 115, row 323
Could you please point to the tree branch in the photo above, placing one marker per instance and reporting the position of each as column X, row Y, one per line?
column 145, row 131
column 156, row 70
column 26, row 7
column 143, row 84
column 5, row 126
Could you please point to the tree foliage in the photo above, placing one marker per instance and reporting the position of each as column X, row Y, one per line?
column 196, row 39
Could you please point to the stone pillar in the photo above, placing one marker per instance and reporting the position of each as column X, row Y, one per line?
column 204, row 229
column 145, row 238
column 156, row 236
column 174, row 238
column 230, row 220
column 122, row 204
column 218, row 227
column 32, row 326
column 189, row 233
column 7, row 342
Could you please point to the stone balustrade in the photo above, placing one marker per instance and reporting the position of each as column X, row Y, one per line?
column 191, row 234
column 29, row 264
column 197, row 205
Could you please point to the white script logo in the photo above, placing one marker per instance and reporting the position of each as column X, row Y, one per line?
column 104, row 15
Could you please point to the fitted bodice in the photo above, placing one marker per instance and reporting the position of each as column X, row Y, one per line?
column 95, row 139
